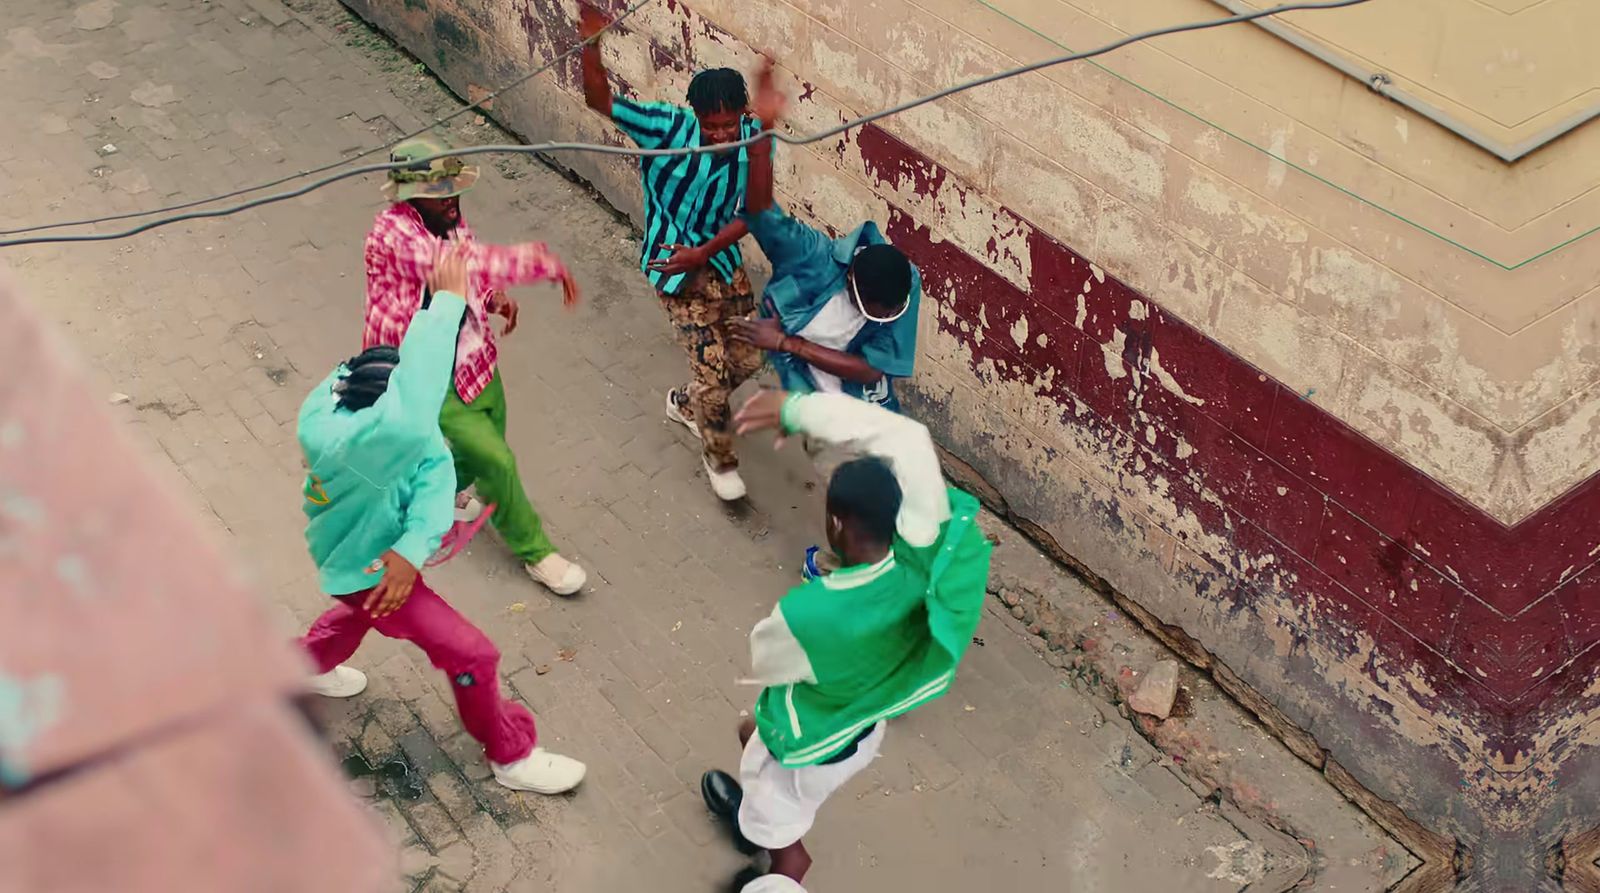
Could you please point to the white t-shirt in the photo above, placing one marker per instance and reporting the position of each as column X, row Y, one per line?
column 834, row 326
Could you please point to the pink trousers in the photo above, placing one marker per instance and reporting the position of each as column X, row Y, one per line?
column 453, row 644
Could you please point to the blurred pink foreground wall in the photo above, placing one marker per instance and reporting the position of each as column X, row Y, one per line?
column 148, row 737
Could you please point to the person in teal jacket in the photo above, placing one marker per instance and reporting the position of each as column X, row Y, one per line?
column 379, row 496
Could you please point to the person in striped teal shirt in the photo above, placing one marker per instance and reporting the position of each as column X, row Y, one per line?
column 691, row 241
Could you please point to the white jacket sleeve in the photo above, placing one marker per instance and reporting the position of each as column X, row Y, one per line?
column 903, row 443
column 776, row 656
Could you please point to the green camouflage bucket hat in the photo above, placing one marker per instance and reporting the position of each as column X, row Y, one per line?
column 439, row 178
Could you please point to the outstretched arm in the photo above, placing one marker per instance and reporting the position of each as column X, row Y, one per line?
column 419, row 381
column 848, row 366
column 502, row 266
column 788, row 244
column 406, row 416
column 649, row 124
column 903, row 443
column 767, row 334
column 769, row 106
column 758, row 191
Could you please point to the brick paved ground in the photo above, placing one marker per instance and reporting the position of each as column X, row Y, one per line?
column 215, row 329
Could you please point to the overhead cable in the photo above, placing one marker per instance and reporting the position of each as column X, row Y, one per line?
column 795, row 140
column 309, row 172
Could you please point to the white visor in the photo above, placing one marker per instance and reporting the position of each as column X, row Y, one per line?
column 856, row 296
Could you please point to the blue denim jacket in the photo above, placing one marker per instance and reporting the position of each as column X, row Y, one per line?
column 808, row 269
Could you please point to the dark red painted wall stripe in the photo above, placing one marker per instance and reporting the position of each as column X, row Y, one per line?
column 1387, row 547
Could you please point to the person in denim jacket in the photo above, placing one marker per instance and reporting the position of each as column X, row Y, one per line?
column 838, row 315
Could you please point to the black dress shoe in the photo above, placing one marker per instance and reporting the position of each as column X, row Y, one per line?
column 723, row 796
column 743, row 879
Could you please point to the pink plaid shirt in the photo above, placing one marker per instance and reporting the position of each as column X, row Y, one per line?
column 400, row 253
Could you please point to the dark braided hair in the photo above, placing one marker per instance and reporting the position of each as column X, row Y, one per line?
column 367, row 378
column 718, row 90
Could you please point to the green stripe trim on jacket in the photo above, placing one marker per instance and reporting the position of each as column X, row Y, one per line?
column 832, row 744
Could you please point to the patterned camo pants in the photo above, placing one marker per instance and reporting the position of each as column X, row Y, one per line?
column 717, row 363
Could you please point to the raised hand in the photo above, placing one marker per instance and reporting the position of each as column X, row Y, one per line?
column 770, row 102
column 591, row 21
column 450, row 271
column 762, row 412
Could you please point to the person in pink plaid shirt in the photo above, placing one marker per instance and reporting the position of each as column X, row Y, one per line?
column 405, row 241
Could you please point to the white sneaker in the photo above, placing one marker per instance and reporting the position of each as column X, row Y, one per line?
column 726, row 484
column 468, row 507
column 558, row 575
column 675, row 410
column 339, row 682
column 541, row 772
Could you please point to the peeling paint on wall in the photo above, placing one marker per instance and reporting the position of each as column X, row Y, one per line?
column 1168, row 382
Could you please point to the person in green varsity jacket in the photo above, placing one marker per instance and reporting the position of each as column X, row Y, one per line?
column 845, row 652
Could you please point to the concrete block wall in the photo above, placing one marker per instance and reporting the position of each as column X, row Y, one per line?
column 1269, row 407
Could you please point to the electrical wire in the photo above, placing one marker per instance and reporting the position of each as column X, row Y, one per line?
column 342, row 161
column 527, row 149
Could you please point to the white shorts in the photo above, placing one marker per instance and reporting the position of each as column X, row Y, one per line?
column 772, row 883
column 781, row 804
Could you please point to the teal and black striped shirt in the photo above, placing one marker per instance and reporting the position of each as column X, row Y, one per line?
column 688, row 199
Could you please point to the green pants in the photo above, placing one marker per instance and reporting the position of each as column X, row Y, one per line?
column 477, row 435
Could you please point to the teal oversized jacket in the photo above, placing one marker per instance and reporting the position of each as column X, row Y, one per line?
column 382, row 478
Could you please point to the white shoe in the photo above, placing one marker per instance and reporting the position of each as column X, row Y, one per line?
column 726, row 484
column 339, row 682
column 558, row 575
column 468, row 508
column 675, row 411
column 541, row 772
